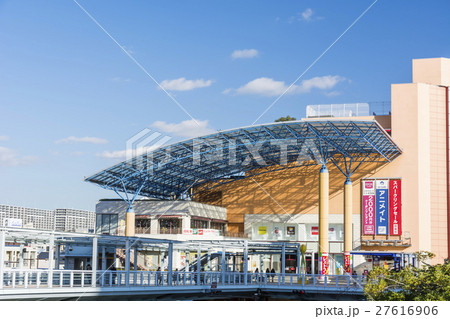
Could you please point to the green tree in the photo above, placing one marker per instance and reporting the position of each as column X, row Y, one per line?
column 285, row 119
column 425, row 283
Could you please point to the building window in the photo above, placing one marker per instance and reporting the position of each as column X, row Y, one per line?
column 143, row 226
column 169, row 226
column 218, row 226
column 200, row 224
column 107, row 224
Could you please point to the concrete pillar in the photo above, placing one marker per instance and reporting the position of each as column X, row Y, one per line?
column 199, row 264
column 127, row 262
column 170, row 264
column 209, row 261
column 186, row 268
column 323, row 220
column 313, row 263
column 245, row 263
column 21, row 256
column 283, row 262
column 2, row 256
column 130, row 222
column 103, row 258
column 57, row 256
column 51, row 246
column 94, row 261
column 348, row 229
column 223, row 265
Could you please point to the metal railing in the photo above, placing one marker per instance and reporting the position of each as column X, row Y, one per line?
column 29, row 279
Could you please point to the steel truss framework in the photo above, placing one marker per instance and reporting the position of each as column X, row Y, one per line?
column 173, row 171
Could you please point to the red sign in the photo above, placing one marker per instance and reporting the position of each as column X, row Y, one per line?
column 314, row 230
column 324, row 262
column 395, row 207
column 347, row 262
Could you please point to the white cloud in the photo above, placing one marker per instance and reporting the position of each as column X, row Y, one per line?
column 86, row 139
column 270, row 87
column 182, row 84
column 4, row 138
column 307, row 15
column 244, row 54
column 188, row 128
column 9, row 157
column 122, row 154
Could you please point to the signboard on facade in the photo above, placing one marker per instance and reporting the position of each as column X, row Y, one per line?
column 368, row 207
column 382, row 207
column 200, row 231
column 12, row 222
column 277, row 231
column 262, row 230
column 314, row 230
column 395, row 207
column 290, row 230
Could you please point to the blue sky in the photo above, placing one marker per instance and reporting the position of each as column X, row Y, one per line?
column 70, row 97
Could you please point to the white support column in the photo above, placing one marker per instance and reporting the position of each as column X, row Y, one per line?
column 245, row 263
column 51, row 247
column 127, row 262
column 21, row 256
column 299, row 271
column 283, row 262
column 313, row 262
column 187, row 261
column 209, row 260
column 223, row 265
column 2, row 256
column 103, row 258
column 57, row 256
column 323, row 220
column 94, row 261
column 170, row 264
column 199, row 264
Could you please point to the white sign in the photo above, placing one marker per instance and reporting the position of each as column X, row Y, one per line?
column 12, row 222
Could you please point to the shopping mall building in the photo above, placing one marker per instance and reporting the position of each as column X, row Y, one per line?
column 357, row 188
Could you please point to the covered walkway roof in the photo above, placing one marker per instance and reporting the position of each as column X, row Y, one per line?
column 224, row 156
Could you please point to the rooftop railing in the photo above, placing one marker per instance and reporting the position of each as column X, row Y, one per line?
column 348, row 109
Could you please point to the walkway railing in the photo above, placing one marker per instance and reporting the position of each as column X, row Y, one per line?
column 29, row 279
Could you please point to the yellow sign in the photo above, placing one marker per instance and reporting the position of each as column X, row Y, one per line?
column 262, row 230
column 122, row 223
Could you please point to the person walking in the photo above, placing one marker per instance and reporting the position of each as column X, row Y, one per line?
column 159, row 275
column 267, row 274
column 273, row 274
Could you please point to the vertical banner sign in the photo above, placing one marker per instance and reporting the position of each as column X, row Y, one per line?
column 323, row 259
column 347, row 263
column 382, row 207
column 368, row 207
column 395, row 207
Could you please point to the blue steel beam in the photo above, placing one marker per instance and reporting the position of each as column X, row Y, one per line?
column 170, row 169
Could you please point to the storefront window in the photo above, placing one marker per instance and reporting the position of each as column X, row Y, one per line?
column 170, row 226
column 218, row 226
column 200, row 224
column 143, row 226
